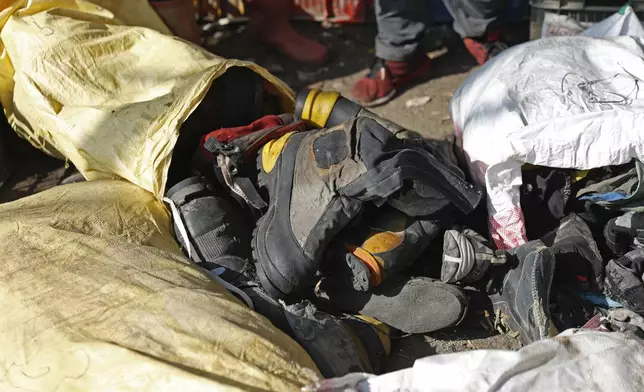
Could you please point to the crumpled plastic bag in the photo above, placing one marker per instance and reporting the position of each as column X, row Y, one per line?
column 79, row 81
column 563, row 102
column 95, row 296
column 622, row 23
column 575, row 360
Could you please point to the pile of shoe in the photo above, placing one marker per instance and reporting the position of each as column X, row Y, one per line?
column 348, row 211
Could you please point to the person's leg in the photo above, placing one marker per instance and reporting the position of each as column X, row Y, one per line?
column 477, row 22
column 401, row 25
column 474, row 18
column 269, row 20
column 399, row 58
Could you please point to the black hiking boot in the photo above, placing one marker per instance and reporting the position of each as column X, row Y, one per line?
column 521, row 296
column 318, row 181
column 210, row 226
column 339, row 345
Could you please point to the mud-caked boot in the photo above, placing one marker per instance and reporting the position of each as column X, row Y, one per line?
column 520, row 296
column 467, row 256
column 337, row 344
column 379, row 246
column 412, row 305
column 318, row 181
column 342, row 344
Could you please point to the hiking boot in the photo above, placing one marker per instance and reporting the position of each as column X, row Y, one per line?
column 209, row 225
column 318, row 181
column 379, row 246
column 412, row 305
column 339, row 345
column 467, row 256
column 483, row 49
column 385, row 78
column 270, row 24
column 579, row 264
column 521, row 296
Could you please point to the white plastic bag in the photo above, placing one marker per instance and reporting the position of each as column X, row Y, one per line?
column 624, row 22
column 567, row 102
column 572, row 361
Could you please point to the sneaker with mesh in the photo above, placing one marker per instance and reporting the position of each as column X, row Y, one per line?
column 384, row 79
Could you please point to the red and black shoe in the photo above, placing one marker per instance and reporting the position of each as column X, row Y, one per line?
column 483, row 49
column 385, row 77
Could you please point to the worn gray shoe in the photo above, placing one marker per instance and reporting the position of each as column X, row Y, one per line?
column 467, row 256
column 412, row 305
column 318, row 181
column 521, row 296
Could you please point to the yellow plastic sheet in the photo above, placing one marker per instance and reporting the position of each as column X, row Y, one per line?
column 82, row 82
column 96, row 297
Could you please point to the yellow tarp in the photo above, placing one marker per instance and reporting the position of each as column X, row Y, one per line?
column 94, row 296
column 76, row 81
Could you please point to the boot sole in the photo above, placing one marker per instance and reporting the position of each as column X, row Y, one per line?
column 394, row 305
column 358, row 274
column 381, row 100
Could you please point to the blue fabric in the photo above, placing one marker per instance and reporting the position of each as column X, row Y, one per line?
column 599, row 300
column 608, row 196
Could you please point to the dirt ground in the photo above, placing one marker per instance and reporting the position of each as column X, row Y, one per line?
column 352, row 53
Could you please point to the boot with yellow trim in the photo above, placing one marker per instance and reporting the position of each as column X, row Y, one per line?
column 339, row 344
column 379, row 246
column 318, row 182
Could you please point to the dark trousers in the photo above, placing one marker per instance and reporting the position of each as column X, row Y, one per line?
column 401, row 23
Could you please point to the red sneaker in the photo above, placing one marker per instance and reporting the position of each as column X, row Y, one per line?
column 380, row 84
column 484, row 49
